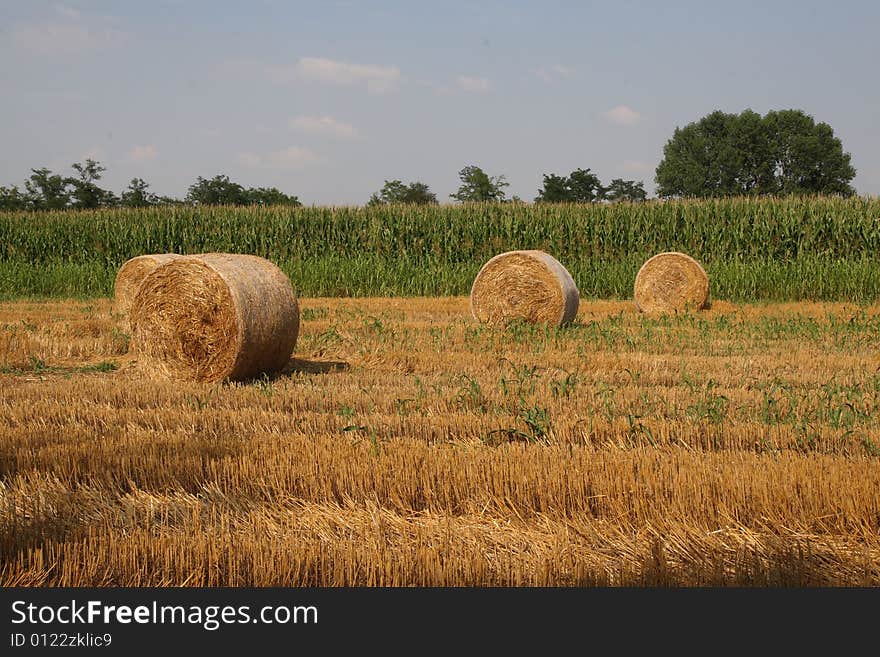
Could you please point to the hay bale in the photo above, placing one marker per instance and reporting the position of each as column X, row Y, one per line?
column 130, row 276
column 528, row 285
column 215, row 316
column 671, row 282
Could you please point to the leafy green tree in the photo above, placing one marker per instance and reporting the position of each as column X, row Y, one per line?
column 581, row 186
column 585, row 186
column 477, row 185
column 218, row 190
column 555, row 190
column 11, row 199
column 625, row 190
column 808, row 157
column 46, row 190
column 394, row 191
column 784, row 152
column 169, row 200
column 752, row 155
column 85, row 192
column 137, row 195
column 269, row 196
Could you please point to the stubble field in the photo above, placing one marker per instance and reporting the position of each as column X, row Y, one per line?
column 407, row 445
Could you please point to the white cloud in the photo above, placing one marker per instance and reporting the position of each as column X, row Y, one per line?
column 622, row 115
column 69, row 34
column 323, row 125
column 544, row 74
column 478, row 85
column 553, row 73
column 294, row 157
column 143, row 153
column 634, row 166
column 438, row 89
column 250, row 160
column 95, row 153
column 378, row 79
column 67, row 12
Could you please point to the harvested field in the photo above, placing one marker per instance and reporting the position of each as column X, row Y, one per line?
column 406, row 444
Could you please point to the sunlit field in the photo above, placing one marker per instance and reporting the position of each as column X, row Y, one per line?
column 405, row 444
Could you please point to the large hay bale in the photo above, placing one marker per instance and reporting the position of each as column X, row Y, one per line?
column 215, row 316
column 671, row 282
column 130, row 276
column 528, row 285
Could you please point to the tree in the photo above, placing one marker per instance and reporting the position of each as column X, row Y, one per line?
column 219, row 190
column 394, row 191
column 581, row 186
column 136, row 195
column 47, row 191
column 625, row 190
column 11, row 199
column 556, row 190
column 478, row 186
column 169, row 200
column 784, row 152
column 585, row 186
column 85, row 192
column 808, row 157
column 269, row 196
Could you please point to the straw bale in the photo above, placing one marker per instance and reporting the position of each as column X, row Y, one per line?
column 528, row 285
column 215, row 316
column 671, row 282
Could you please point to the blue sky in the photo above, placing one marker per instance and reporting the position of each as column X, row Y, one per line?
column 328, row 100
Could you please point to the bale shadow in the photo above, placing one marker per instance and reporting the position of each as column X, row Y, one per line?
column 295, row 366
column 303, row 366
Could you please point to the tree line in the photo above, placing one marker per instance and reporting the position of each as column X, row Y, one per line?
column 782, row 153
column 45, row 190
column 581, row 186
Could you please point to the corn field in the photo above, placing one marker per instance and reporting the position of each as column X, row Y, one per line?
column 773, row 249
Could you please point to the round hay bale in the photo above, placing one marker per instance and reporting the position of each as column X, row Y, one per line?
column 528, row 285
column 215, row 316
column 130, row 276
column 671, row 282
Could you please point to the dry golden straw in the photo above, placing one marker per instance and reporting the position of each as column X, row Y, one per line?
column 215, row 316
column 130, row 276
column 671, row 282
column 528, row 285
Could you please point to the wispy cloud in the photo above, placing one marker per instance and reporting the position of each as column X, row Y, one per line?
column 143, row 153
column 438, row 89
column 553, row 73
column 250, row 160
column 377, row 79
column 323, row 125
column 67, row 33
column 67, row 12
column 635, row 166
column 470, row 84
column 622, row 115
column 95, row 153
column 293, row 157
